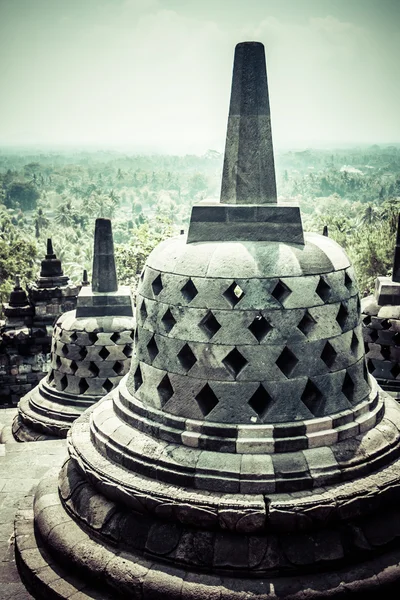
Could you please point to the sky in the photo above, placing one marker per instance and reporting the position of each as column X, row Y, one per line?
column 155, row 75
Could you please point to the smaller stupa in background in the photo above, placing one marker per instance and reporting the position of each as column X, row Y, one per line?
column 91, row 349
column 381, row 331
column 52, row 293
column 18, row 311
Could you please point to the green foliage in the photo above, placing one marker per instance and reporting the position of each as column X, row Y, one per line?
column 355, row 192
column 131, row 257
column 17, row 255
column 22, row 194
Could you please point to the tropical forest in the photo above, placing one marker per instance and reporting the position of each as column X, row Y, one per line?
column 354, row 193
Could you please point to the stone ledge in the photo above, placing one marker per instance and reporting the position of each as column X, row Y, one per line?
column 235, row 222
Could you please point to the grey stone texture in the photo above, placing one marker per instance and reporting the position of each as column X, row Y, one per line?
column 25, row 335
column 247, row 454
column 381, row 328
column 104, row 276
column 88, row 359
column 242, row 222
column 248, row 173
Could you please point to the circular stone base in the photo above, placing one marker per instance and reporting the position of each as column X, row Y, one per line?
column 101, row 571
column 22, row 432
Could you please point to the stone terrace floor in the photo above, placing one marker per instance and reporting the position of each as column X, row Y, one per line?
column 21, row 468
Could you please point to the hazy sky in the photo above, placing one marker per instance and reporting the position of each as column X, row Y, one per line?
column 156, row 74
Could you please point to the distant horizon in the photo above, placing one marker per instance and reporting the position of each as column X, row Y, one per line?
column 128, row 148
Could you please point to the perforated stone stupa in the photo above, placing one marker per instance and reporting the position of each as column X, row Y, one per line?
column 91, row 350
column 381, row 320
column 247, row 454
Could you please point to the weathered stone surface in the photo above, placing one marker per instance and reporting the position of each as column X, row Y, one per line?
column 247, row 446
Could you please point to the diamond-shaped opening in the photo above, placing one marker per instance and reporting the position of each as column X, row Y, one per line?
column 354, row 343
column 186, row 357
column 348, row 282
column 157, row 285
column 115, row 337
column 108, row 385
column 93, row 337
column 385, row 352
column 83, row 386
column 328, row 354
column 73, row 367
column 286, row 361
column 367, row 320
column 348, row 387
column 371, row 366
column 233, row 294
column 396, row 339
column 137, row 378
column 58, row 362
column 83, row 353
column 323, row 289
column 386, row 324
column 152, row 348
column 143, row 311
column 73, row 337
column 206, row 399
column 260, row 327
column 374, row 335
column 118, row 367
column 165, row 390
column 395, row 370
column 313, row 398
column 50, row 377
column 94, row 369
column 64, row 349
column 128, row 350
column 306, row 324
column 104, row 353
column 63, row 383
column 358, row 306
column 260, row 401
column 235, row 362
column 209, row 325
column 281, row 291
column 168, row 320
column 189, row 291
column 342, row 315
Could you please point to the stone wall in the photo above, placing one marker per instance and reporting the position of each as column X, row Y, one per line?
column 24, row 361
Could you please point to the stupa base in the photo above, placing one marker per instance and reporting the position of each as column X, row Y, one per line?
column 100, row 571
column 41, row 417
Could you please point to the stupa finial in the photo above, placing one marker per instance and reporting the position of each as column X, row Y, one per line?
column 396, row 260
column 50, row 252
column 249, row 172
column 104, row 276
column 85, row 280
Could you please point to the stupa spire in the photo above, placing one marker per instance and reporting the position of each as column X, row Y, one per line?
column 396, row 260
column 104, row 276
column 249, row 172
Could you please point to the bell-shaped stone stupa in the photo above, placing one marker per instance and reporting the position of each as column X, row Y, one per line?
column 53, row 292
column 91, row 350
column 381, row 320
column 247, row 454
